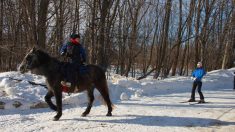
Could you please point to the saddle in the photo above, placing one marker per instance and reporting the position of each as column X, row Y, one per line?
column 71, row 73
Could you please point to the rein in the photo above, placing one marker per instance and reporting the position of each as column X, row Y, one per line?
column 30, row 82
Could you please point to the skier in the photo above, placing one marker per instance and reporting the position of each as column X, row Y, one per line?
column 197, row 76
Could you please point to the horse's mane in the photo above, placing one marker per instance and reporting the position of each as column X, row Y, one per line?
column 44, row 56
column 46, row 63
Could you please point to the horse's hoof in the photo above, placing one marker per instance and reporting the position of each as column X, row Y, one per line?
column 109, row 114
column 84, row 114
column 56, row 119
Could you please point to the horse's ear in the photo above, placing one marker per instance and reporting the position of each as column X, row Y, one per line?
column 34, row 49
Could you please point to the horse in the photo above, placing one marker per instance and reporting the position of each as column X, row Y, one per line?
column 41, row 63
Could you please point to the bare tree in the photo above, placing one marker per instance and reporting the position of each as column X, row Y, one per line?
column 42, row 19
column 164, row 39
column 178, row 41
column 1, row 21
column 144, row 36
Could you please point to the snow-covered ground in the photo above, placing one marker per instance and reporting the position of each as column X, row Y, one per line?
column 147, row 105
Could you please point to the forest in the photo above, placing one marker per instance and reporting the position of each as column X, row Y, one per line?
column 134, row 37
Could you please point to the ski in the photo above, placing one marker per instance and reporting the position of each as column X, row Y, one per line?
column 199, row 103
column 189, row 102
column 195, row 102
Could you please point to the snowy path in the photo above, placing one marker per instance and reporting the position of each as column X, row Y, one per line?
column 150, row 114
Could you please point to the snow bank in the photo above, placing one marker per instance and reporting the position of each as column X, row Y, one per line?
column 13, row 90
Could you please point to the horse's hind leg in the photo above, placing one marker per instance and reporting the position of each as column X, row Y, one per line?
column 108, row 102
column 103, row 89
column 90, row 94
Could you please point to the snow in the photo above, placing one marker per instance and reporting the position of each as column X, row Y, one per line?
column 147, row 105
column 124, row 96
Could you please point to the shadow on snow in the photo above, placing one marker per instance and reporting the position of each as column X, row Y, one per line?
column 164, row 121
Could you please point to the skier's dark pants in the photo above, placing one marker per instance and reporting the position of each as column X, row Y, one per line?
column 195, row 85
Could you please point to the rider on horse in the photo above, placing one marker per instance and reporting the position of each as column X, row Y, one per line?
column 76, row 55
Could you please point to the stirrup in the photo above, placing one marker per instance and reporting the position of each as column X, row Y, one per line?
column 67, row 84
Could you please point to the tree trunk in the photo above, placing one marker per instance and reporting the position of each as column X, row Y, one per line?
column 197, row 26
column 189, row 32
column 230, row 46
column 93, row 32
column 33, row 27
column 1, row 33
column 178, row 42
column 205, row 33
column 134, row 14
column 76, row 22
column 164, row 41
column 226, row 54
column 42, row 19
column 1, row 21
column 105, row 4
column 132, row 43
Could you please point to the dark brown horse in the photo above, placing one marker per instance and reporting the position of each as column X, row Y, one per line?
column 41, row 63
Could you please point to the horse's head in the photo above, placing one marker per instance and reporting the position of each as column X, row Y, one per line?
column 34, row 59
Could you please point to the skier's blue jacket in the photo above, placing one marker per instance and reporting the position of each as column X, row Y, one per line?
column 198, row 73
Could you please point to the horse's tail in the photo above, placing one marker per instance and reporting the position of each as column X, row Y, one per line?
column 106, row 88
column 107, row 91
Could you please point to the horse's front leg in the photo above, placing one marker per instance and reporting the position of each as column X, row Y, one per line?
column 48, row 97
column 58, row 97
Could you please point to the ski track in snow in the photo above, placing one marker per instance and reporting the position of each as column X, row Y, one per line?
column 148, row 106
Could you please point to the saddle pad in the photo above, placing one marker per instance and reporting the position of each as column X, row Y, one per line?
column 83, row 69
